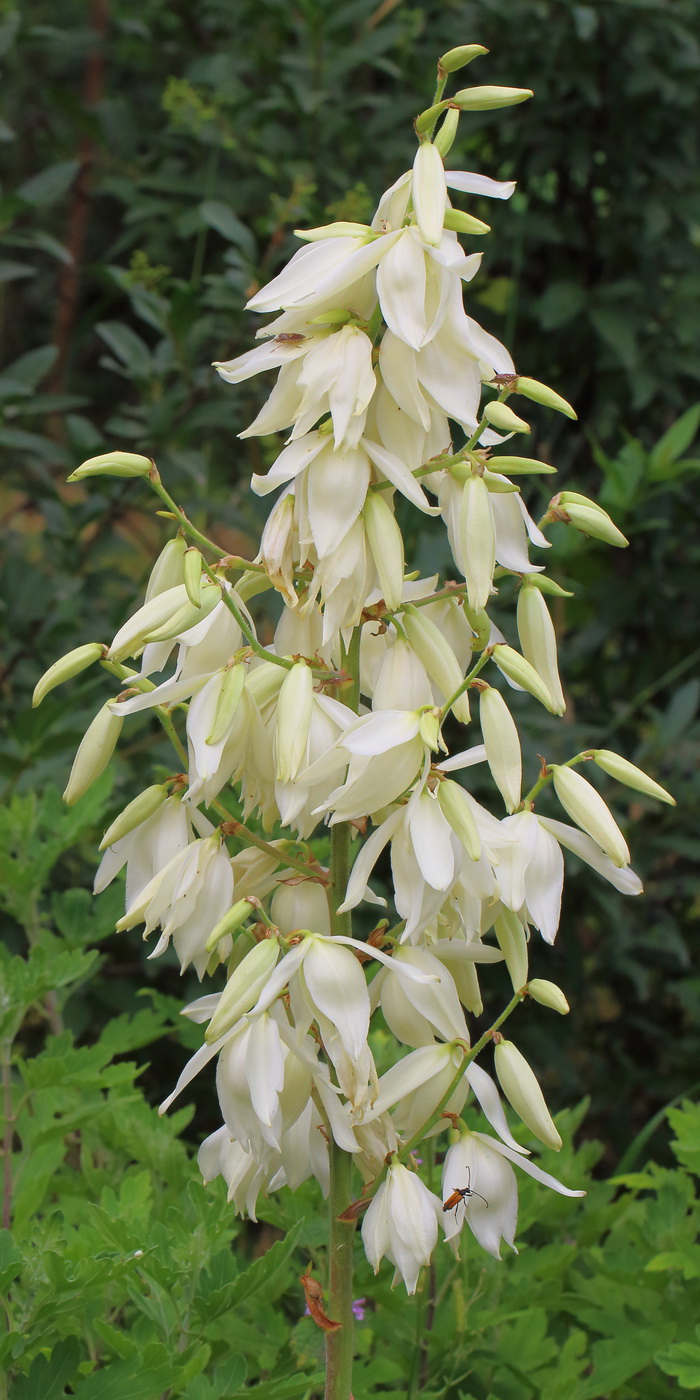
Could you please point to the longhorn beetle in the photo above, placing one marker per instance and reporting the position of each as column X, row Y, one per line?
column 462, row 1193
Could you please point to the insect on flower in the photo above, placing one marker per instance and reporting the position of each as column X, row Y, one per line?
column 462, row 1193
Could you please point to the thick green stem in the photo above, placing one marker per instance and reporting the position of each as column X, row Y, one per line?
column 341, row 1233
column 339, row 1344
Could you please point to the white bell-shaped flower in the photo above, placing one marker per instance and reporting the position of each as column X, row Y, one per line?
column 402, row 1224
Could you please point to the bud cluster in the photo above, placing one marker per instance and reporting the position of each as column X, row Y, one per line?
column 387, row 389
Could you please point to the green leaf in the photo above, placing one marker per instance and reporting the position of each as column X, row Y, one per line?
column 49, row 1375
column 49, row 184
column 128, row 347
column 221, row 217
column 286, row 1388
column 674, row 442
column 124, row 1380
column 260, row 1274
column 30, row 368
column 683, row 1361
column 10, row 1260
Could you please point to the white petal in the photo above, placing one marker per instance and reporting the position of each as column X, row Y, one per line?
column 378, row 732
column 470, row 183
column 624, row 880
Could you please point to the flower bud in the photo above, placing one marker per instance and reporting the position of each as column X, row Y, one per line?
column 294, row 709
column 193, row 576
column 515, row 668
column 480, row 625
column 96, row 749
column 515, row 465
column 523, row 1092
column 243, row 987
column 478, row 539
column 512, row 940
column 541, row 393
column 426, row 120
column 587, row 808
column 159, row 609
column 502, row 745
column 502, row 417
column 433, row 649
column 429, row 192
column 429, row 729
column 235, row 916
column 539, row 643
column 187, row 615
column 591, row 519
column 444, row 138
column 487, row 99
column 455, row 807
column 344, row 229
column 548, row 994
column 629, row 774
column 144, row 806
column 386, row 545
column 547, row 585
column 232, row 687
column 113, row 464
column 460, row 222
column 460, row 57
column 167, row 572
column 499, row 485
column 66, row 668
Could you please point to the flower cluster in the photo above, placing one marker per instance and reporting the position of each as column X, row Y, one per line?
column 388, row 392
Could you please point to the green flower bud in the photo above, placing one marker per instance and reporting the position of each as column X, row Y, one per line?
column 547, row 585
column 478, row 540
column 487, row 99
column 187, row 615
column 459, row 222
column 294, row 710
column 113, row 464
column 587, row 808
column 434, row 650
column 499, row 485
column 168, row 568
column 344, row 229
column 338, row 316
column 514, row 465
column 192, row 578
column 480, row 625
column 541, row 393
column 548, row 994
column 66, row 668
column 502, row 745
column 429, row 729
column 460, row 57
column 386, row 545
column 426, row 120
column 516, row 668
column 629, row 774
column 512, row 940
column 232, row 687
column 538, row 641
column 590, row 518
column 237, row 915
column 445, row 135
column 144, row 806
column 96, row 749
column 243, row 987
column 523, row 1091
column 455, row 807
column 503, row 418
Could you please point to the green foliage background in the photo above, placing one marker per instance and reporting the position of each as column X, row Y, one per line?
column 155, row 160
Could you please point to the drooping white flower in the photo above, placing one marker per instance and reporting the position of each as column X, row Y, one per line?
column 402, row 1224
column 480, row 1167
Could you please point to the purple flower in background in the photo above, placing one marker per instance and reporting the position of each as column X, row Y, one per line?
column 358, row 1309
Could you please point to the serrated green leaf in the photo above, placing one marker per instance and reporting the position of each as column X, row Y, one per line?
column 49, row 1375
